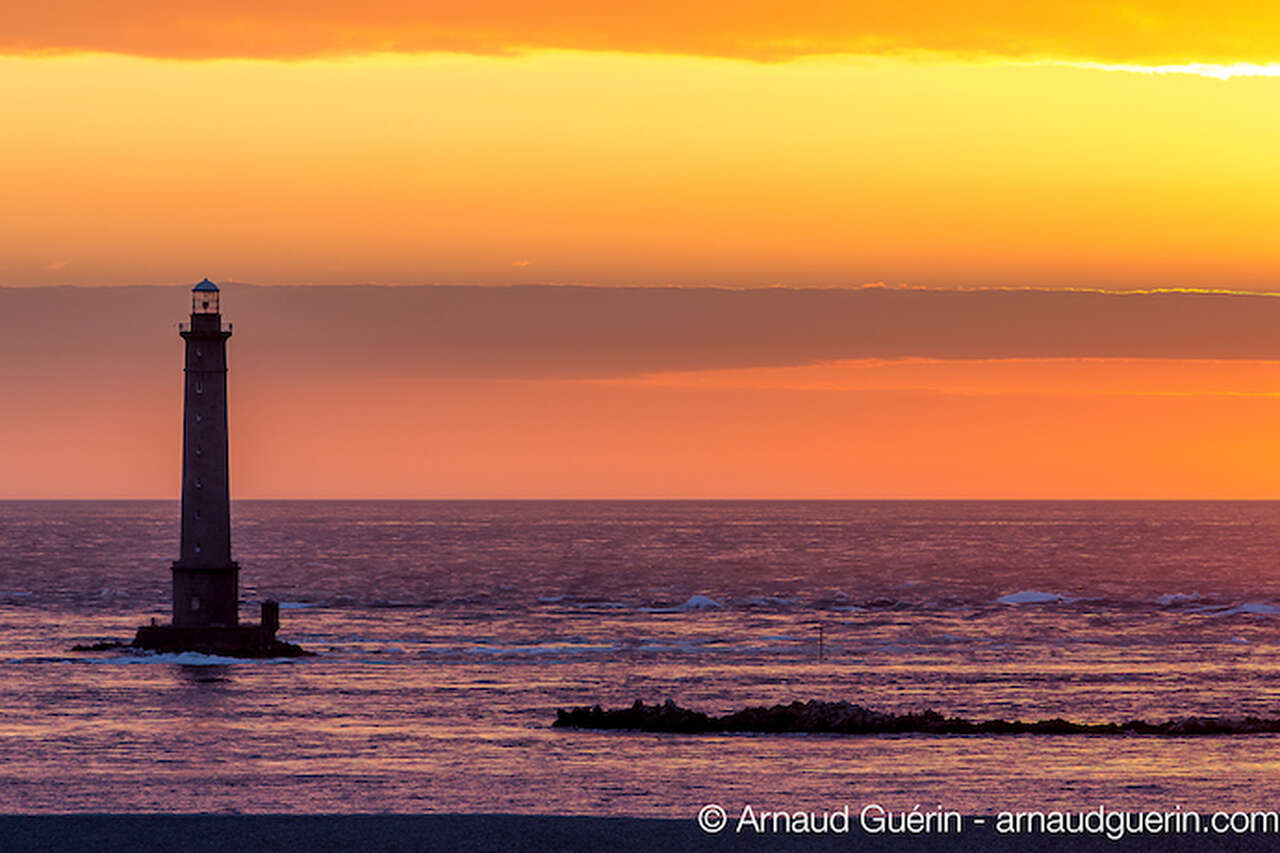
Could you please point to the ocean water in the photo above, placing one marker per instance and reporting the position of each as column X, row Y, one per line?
column 448, row 633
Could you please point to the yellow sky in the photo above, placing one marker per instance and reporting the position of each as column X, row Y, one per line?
column 632, row 169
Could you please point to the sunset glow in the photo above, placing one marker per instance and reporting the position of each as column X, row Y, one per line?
column 925, row 145
column 1159, row 32
column 633, row 170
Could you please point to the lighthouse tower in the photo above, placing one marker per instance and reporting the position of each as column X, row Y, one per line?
column 206, row 581
column 206, row 588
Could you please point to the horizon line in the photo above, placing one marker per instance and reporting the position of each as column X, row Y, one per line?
column 1276, row 499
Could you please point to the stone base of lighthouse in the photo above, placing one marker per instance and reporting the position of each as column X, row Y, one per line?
column 206, row 595
column 205, row 605
column 239, row 641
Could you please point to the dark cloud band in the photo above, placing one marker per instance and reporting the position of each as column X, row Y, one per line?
column 587, row 332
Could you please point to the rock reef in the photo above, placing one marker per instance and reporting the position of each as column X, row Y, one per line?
column 265, row 648
column 844, row 718
column 237, row 641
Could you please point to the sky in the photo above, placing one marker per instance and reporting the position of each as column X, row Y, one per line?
column 696, row 249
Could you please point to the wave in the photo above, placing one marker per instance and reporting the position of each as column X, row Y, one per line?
column 538, row 650
column 841, row 606
column 1031, row 596
column 774, row 602
column 134, row 656
column 978, row 602
column 587, row 603
column 1252, row 608
column 694, row 603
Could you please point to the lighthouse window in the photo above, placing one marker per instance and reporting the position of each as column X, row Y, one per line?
column 197, row 419
column 199, row 485
column 197, row 549
column 198, row 352
column 197, row 515
column 199, row 452
column 199, row 387
column 195, row 602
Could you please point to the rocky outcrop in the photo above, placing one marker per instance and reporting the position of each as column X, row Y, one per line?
column 844, row 718
column 668, row 717
column 100, row 646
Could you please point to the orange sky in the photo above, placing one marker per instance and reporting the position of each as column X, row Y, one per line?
column 933, row 145
column 588, row 392
column 1150, row 32
column 501, row 438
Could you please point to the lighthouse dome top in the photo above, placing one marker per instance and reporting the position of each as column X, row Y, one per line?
column 204, row 298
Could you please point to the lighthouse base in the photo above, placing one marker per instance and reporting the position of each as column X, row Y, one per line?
column 241, row 641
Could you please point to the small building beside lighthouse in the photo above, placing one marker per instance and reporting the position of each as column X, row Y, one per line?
column 206, row 580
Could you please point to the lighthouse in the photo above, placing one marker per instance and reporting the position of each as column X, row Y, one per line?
column 206, row 581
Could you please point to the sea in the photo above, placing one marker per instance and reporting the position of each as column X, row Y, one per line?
column 447, row 634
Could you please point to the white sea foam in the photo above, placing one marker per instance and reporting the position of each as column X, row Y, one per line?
column 1031, row 596
column 1253, row 608
column 696, row 602
column 771, row 601
column 1173, row 599
column 181, row 658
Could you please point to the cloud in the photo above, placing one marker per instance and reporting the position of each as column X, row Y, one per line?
column 1168, row 31
column 414, row 392
column 542, row 332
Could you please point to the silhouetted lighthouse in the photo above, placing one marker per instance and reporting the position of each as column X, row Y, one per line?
column 206, row 588
column 206, row 581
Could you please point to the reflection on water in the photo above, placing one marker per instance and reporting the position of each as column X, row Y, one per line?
column 442, row 661
column 205, row 677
